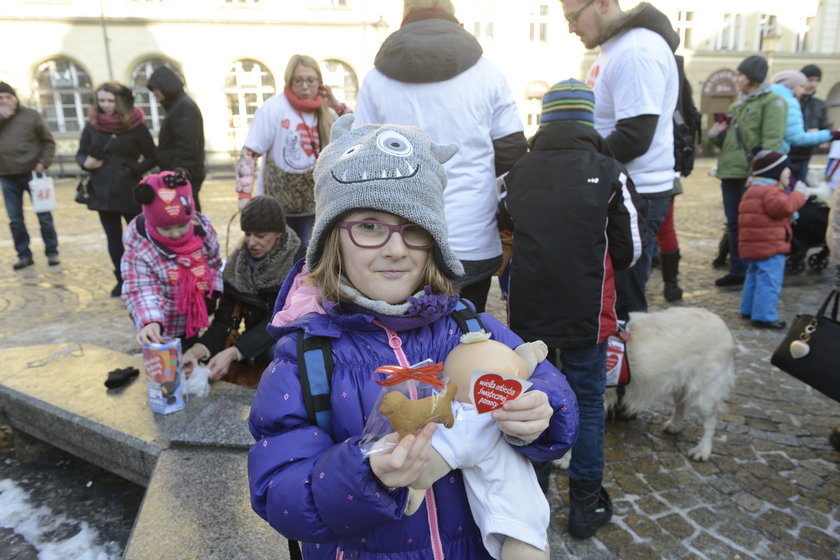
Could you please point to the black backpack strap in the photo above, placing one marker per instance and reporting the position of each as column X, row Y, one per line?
column 294, row 551
column 315, row 367
column 467, row 318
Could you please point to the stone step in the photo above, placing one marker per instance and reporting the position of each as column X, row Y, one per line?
column 193, row 462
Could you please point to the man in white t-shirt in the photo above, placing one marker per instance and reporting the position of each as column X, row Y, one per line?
column 430, row 73
column 636, row 86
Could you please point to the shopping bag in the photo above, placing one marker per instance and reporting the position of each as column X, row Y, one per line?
column 811, row 350
column 43, row 193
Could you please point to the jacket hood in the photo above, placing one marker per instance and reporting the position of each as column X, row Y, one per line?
column 570, row 135
column 760, row 90
column 430, row 50
column 644, row 16
column 167, row 82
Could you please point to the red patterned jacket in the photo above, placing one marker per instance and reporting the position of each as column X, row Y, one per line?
column 764, row 226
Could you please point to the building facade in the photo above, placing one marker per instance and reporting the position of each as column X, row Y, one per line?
column 232, row 54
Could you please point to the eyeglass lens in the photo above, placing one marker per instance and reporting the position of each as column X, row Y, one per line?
column 376, row 234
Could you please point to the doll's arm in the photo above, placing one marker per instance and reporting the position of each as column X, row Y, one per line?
column 436, row 468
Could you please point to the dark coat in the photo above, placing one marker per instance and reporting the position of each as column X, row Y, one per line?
column 575, row 218
column 113, row 183
column 181, row 138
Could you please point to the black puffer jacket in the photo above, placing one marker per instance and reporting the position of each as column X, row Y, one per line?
column 575, row 221
column 113, row 183
column 181, row 139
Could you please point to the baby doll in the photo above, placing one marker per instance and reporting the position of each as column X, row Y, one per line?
column 507, row 503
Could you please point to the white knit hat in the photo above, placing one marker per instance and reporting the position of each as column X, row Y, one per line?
column 387, row 168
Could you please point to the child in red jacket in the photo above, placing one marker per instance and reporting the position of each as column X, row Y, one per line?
column 764, row 234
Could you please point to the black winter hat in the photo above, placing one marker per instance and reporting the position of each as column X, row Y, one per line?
column 6, row 88
column 754, row 67
column 263, row 213
column 768, row 164
column 811, row 71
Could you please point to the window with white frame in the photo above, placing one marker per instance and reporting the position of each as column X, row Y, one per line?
column 803, row 34
column 342, row 79
column 329, row 4
column 684, row 26
column 538, row 27
column 63, row 92
column 143, row 98
column 729, row 34
column 247, row 86
column 483, row 29
column 767, row 27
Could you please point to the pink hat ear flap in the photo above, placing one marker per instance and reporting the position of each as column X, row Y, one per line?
column 144, row 193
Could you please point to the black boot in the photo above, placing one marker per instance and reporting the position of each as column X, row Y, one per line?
column 590, row 507
column 116, row 291
column 834, row 438
column 723, row 251
column 670, row 270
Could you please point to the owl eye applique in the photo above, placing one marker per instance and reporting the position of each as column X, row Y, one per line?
column 393, row 143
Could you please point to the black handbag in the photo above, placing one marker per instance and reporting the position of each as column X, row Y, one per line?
column 811, row 350
column 83, row 191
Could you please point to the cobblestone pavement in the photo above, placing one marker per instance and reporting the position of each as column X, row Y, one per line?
column 771, row 489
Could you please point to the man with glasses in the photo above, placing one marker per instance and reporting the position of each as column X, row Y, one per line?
column 636, row 87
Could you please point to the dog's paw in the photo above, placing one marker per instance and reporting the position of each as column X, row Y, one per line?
column 672, row 427
column 563, row 462
column 700, row 452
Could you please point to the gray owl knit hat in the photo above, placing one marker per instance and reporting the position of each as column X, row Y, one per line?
column 387, row 168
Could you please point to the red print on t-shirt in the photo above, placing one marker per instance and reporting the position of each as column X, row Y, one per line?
column 285, row 123
column 308, row 139
column 593, row 75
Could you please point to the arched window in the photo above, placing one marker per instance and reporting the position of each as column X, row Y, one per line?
column 63, row 91
column 342, row 79
column 247, row 86
column 143, row 98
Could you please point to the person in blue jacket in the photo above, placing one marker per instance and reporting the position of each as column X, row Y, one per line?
column 790, row 86
column 377, row 283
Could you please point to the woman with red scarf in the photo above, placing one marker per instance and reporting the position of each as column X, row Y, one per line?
column 116, row 148
column 290, row 130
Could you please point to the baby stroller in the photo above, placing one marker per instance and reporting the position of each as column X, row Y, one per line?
column 809, row 233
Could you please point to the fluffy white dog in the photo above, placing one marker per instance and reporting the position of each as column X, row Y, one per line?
column 683, row 353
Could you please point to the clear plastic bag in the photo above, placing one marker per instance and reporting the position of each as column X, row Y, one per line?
column 378, row 435
column 198, row 383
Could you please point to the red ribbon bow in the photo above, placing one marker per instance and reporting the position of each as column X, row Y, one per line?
column 398, row 374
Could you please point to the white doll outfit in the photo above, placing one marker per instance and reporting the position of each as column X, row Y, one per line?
column 502, row 488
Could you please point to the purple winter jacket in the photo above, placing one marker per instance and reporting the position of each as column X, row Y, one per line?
column 320, row 490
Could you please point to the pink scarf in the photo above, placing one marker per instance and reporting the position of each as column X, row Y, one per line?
column 113, row 124
column 193, row 278
column 300, row 104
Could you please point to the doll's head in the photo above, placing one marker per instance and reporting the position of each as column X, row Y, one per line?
column 478, row 352
column 379, row 206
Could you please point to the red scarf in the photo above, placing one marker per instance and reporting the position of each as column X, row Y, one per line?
column 300, row 104
column 193, row 279
column 113, row 124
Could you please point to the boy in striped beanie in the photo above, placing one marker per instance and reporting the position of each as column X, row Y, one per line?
column 575, row 217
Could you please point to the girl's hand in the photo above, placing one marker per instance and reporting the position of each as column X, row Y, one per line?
column 525, row 417
column 149, row 333
column 405, row 463
column 220, row 363
column 92, row 163
column 327, row 94
column 717, row 128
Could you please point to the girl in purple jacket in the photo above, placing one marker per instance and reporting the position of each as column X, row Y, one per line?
column 378, row 284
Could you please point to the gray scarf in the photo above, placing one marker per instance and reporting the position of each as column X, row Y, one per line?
column 251, row 276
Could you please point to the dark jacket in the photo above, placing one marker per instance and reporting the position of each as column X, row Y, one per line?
column 575, row 221
column 815, row 116
column 255, row 304
column 113, row 183
column 181, row 138
column 25, row 141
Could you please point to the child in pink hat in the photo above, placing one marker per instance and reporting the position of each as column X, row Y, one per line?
column 171, row 265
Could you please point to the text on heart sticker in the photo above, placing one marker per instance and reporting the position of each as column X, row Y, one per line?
column 489, row 391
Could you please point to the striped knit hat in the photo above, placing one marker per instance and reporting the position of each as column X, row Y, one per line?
column 768, row 164
column 568, row 100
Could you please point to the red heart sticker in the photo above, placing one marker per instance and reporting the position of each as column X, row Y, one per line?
column 612, row 361
column 491, row 390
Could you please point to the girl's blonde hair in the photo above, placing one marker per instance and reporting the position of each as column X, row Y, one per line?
column 124, row 102
column 327, row 274
column 325, row 118
column 445, row 5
